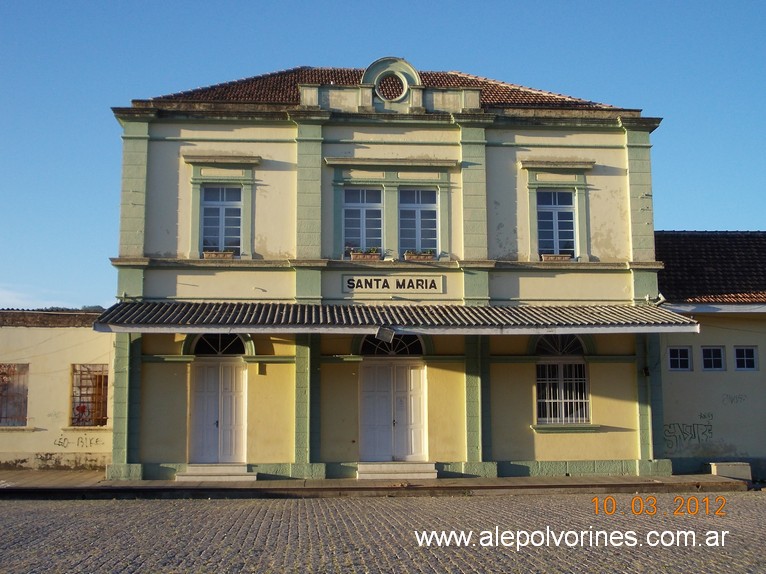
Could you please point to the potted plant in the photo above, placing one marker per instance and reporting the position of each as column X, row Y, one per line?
column 218, row 255
column 556, row 257
column 424, row 255
column 369, row 254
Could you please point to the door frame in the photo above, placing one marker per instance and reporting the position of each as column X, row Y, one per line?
column 241, row 369
column 393, row 362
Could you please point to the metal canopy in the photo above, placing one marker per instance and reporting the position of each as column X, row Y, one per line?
column 241, row 317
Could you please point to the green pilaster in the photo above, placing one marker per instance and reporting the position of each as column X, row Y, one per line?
column 473, row 413
column 474, row 170
column 130, row 282
column 302, row 389
column 640, row 194
column 306, row 381
column 126, row 401
column 309, row 199
column 133, row 198
column 476, row 286
column 644, row 400
column 486, row 410
column 654, row 362
column 315, row 426
column 308, row 286
column 644, row 284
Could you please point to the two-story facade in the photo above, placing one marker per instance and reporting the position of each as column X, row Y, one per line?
column 325, row 267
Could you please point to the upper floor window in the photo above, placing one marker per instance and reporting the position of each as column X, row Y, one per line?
column 555, row 222
column 222, row 219
column 89, row 394
column 745, row 358
column 363, row 219
column 13, row 394
column 418, row 221
column 563, row 396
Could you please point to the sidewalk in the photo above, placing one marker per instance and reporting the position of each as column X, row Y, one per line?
column 85, row 484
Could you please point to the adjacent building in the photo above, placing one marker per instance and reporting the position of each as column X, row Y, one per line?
column 55, row 391
column 332, row 272
column 714, row 388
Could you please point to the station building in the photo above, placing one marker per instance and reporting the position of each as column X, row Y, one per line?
column 385, row 272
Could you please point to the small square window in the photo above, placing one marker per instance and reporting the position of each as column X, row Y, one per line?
column 713, row 359
column 680, row 358
column 746, row 358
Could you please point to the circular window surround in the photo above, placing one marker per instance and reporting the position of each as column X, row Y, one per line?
column 388, row 74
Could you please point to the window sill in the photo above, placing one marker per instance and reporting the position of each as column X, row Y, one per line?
column 565, row 428
column 87, row 428
column 17, row 429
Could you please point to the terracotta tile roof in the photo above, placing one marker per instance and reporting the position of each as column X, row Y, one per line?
column 282, row 88
column 712, row 266
column 199, row 317
column 17, row 318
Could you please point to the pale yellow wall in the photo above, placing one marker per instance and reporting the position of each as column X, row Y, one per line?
column 561, row 287
column 508, row 345
column 613, row 406
column 213, row 284
column 508, row 192
column 169, row 196
column 48, row 440
column 615, row 344
column 163, row 414
column 446, row 411
column 162, row 344
column 716, row 413
column 448, row 344
column 336, row 344
column 339, row 412
column 270, row 413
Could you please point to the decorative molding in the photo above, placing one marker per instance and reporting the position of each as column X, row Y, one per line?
column 388, row 161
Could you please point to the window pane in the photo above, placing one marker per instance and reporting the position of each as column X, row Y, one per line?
column 351, row 196
column 233, row 194
column 564, row 198
column 544, row 198
column 373, row 196
column 408, row 196
column 428, row 196
column 211, row 194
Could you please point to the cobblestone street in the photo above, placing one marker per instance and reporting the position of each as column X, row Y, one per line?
column 378, row 534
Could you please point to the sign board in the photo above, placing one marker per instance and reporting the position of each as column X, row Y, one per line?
column 393, row 284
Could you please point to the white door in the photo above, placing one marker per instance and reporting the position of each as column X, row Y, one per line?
column 392, row 412
column 217, row 413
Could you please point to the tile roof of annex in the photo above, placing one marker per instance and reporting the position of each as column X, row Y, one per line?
column 724, row 267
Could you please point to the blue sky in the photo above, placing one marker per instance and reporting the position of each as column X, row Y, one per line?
column 63, row 65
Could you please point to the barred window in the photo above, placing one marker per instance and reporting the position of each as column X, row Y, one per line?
column 89, row 395
column 13, row 394
column 562, row 382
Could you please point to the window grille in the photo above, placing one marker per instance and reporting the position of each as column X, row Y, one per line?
column 562, row 382
column 13, row 394
column 219, row 344
column 400, row 345
column 90, row 385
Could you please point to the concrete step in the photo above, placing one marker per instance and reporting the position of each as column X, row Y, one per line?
column 395, row 470
column 215, row 473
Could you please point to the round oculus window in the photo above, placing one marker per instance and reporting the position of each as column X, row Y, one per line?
column 391, row 87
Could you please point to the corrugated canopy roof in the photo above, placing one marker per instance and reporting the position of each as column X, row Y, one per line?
column 239, row 317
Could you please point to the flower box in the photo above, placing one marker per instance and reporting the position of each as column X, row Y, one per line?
column 218, row 255
column 556, row 257
column 418, row 256
column 361, row 256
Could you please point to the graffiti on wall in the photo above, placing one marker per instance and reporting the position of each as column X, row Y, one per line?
column 82, row 441
column 681, row 436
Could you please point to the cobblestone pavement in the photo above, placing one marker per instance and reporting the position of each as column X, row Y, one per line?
column 378, row 534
